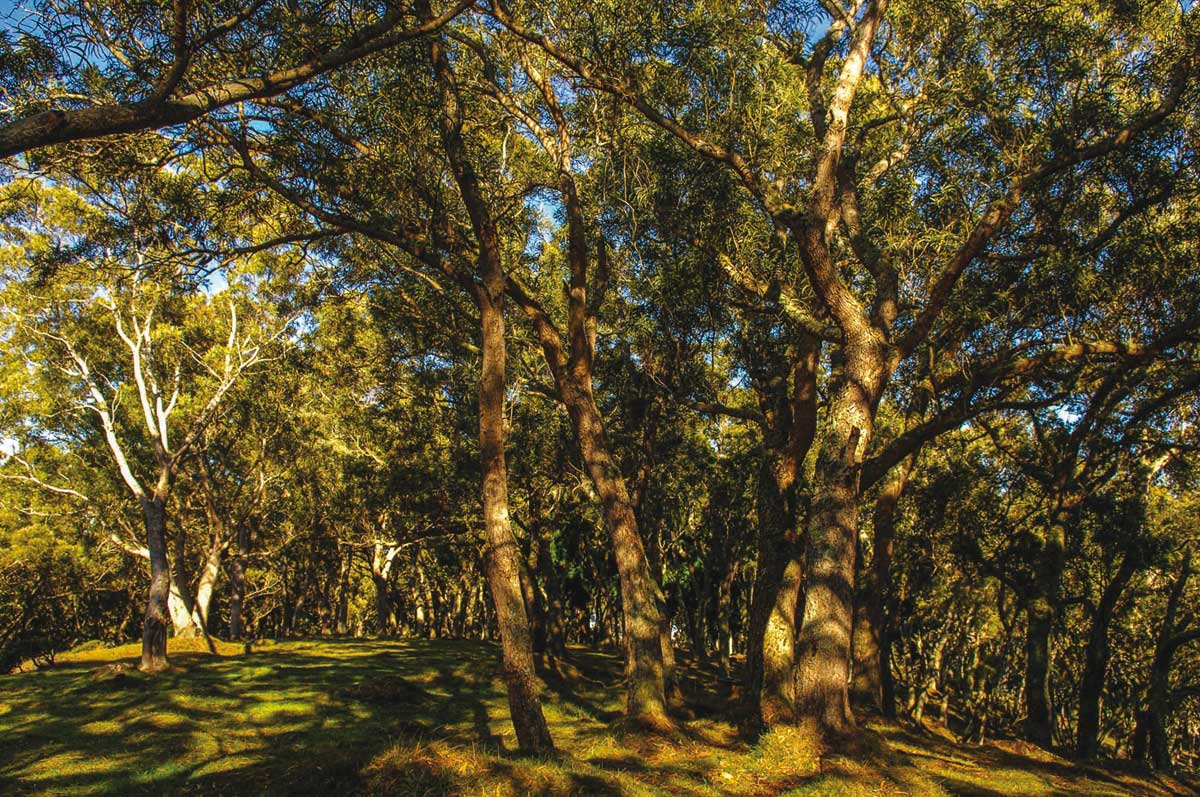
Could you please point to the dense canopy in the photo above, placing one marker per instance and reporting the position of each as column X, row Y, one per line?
column 851, row 347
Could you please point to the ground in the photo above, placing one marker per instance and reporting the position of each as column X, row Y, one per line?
column 430, row 718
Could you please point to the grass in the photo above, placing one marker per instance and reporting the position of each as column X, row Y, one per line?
column 430, row 718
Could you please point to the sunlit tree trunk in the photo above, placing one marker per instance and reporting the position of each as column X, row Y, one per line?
column 154, row 633
column 824, row 649
column 503, row 556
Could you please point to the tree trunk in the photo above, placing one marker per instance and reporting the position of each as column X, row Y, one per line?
column 503, row 557
column 237, row 583
column 181, row 603
column 1150, row 733
column 341, row 621
column 823, row 667
column 787, row 396
column 1040, row 615
column 881, row 596
column 503, row 554
column 641, row 597
column 207, row 583
column 154, row 632
column 1095, row 668
column 725, row 616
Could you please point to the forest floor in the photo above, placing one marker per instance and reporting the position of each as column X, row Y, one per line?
column 324, row 717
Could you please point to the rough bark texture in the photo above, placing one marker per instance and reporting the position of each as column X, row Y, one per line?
column 788, row 403
column 503, row 553
column 154, row 632
column 823, row 657
column 647, row 646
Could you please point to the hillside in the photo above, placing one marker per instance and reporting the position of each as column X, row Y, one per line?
column 430, row 718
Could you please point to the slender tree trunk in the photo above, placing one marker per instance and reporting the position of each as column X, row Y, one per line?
column 154, row 633
column 341, row 621
column 503, row 557
column 1095, row 667
column 725, row 617
column 207, row 583
column 882, row 595
column 503, row 554
column 641, row 597
column 1150, row 732
column 237, row 583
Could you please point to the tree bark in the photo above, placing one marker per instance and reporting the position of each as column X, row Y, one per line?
column 237, row 583
column 1095, row 667
column 823, row 666
column 154, row 631
column 882, row 596
column 641, row 597
column 1040, row 614
column 503, row 555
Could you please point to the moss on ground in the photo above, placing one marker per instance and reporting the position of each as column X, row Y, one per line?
column 326, row 717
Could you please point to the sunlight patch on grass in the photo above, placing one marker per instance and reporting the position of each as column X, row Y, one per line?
column 320, row 717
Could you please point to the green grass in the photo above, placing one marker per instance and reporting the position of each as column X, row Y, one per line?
column 430, row 718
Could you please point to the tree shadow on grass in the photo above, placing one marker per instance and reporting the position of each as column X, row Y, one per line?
column 302, row 718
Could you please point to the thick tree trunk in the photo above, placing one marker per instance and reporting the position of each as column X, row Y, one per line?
column 770, row 656
column 823, row 665
column 1095, row 667
column 181, row 603
column 154, row 632
column 787, row 397
column 1040, row 614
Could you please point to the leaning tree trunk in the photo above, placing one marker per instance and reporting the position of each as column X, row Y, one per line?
column 641, row 598
column 640, row 594
column 207, row 583
column 154, row 632
column 503, row 560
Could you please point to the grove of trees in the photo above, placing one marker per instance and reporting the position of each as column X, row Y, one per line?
column 850, row 347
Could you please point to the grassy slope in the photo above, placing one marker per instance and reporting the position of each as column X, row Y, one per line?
column 430, row 718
